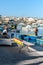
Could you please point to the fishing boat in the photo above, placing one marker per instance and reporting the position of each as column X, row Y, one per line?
column 39, row 41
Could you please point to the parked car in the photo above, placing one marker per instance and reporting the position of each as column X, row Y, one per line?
column 6, row 40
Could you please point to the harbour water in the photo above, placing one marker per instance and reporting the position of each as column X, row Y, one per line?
column 40, row 32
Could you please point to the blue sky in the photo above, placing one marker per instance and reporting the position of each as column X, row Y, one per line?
column 26, row 8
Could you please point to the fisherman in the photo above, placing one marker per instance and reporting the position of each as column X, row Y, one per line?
column 36, row 31
column 36, row 34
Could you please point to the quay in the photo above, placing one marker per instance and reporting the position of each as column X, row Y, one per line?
column 12, row 56
column 34, row 48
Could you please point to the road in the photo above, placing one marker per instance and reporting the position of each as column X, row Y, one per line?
column 13, row 56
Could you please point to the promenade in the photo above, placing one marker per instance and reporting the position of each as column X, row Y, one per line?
column 12, row 56
column 34, row 48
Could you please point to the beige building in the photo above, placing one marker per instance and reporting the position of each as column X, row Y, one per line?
column 0, row 22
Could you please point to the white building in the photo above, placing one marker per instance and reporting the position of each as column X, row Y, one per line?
column 20, row 25
column 35, row 25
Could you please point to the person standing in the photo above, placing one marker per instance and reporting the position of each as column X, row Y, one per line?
column 36, row 31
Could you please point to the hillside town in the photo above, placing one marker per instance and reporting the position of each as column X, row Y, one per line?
column 26, row 20
column 21, row 23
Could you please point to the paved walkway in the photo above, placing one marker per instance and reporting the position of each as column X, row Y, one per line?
column 13, row 56
column 34, row 48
